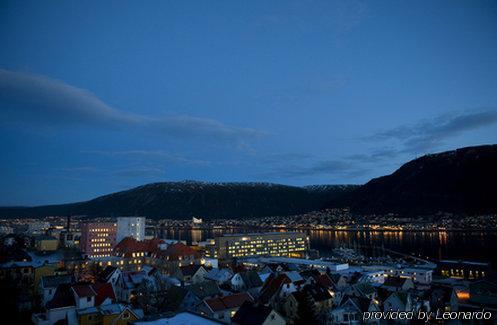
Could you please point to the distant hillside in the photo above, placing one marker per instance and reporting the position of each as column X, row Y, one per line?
column 209, row 200
column 460, row 181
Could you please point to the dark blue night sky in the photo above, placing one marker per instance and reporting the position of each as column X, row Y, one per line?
column 100, row 96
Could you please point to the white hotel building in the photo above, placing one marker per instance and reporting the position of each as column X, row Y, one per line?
column 130, row 227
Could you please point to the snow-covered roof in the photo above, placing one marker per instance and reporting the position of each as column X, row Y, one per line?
column 185, row 318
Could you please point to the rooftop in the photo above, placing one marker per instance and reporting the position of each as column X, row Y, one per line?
column 264, row 234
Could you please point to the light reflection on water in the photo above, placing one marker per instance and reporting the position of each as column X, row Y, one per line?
column 469, row 245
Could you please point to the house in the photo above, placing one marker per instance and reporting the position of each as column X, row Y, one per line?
column 255, row 314
column 176, row 299
column 223, row 308
column 324, row 280
column 479, row 294
column 322, row 297
column 48, row 285
column 398, row 301
column 220, row 276
column 46, row 269
column 46, row 243
column 377, row 277
column 417, row 275
column 205, row 289
column 62, row 306
column 275, row 288
column 127, row 283
column 339, row 280
column 309, row 274
column 84, row 295
column 174, row 256
column 110, row 274
column 108, row 314
column 245, row 280
column 363, row 289
column 134, row 253
column 190, row 273
column 104, row 293
column 148, row 282
column 439, row 297
column 129, row 247
column 295, row 278
column 351, row 311
column 396, row 284
column 318, row 295
column 188, row 297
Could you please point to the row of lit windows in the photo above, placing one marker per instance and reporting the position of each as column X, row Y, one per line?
column 98, row 239
column 102, row 250
column 100, row 230
column 277, row 251
column 100, row 245
column 99, row 255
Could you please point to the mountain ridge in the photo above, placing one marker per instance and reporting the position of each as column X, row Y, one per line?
column 186, row 199
column 456, row 181
column 460, row 181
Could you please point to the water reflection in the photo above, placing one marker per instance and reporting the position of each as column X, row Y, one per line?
column 472, row 245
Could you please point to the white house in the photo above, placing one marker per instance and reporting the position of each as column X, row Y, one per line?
column 84, row 295
column 223, row 308
column 48, row 285
column 351, row 312
column 219, row 275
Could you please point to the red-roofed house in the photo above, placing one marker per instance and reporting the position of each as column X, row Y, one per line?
column 223, row 308
column 105, row 293
column 276, row 288
column 130, row 247
column 174, row 256
column 324, row 280
column 84, row 295
column 134, row 254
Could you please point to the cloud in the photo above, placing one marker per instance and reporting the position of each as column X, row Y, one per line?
column 79, row 169
column 140, row 172
column 335, row 168
column 36, row 99
column 284, row 157
column 149, row 154
column 429, row 134
column 374, row 156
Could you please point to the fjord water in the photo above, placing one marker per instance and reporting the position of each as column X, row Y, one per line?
column 460, row 245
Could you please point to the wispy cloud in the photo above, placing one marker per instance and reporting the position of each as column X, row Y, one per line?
column 333, row 168
column 161, row 155
column 375, row 156
column 30, row 98
column 429, row 134
column 284, row 157
column 140, row 172
column 79, row 169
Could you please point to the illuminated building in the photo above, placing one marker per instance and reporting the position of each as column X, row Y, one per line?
column 131, row 227
column 98, row 238
column 463, row 269
column 291, row 244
